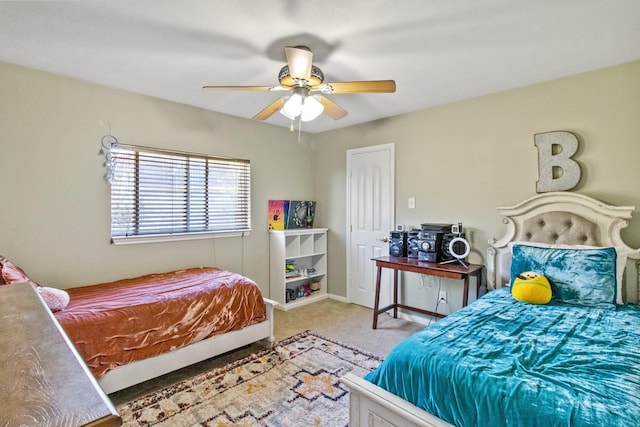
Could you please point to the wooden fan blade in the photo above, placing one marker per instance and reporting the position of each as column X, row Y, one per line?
column 332, row 109
column 372, row 86
column 299, row 60
column 269, row 110
column 238, row 87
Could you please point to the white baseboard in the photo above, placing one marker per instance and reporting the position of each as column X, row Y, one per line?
column 417, row 319
column 338, row 298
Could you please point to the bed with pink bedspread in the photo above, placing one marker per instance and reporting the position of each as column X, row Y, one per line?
column 134, row 329
column 112, row 324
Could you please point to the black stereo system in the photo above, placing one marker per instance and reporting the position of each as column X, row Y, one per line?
column 398, row 244
column 430, row 243
column 412, row 244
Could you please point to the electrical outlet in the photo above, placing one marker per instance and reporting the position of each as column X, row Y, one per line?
column 442, row 296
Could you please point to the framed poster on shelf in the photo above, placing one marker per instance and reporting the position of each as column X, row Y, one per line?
column 277, row 212
column 301, row 214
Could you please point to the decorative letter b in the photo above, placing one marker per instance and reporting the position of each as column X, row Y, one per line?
column 556, row 171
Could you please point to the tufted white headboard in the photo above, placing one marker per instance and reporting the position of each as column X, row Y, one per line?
column 563, row 218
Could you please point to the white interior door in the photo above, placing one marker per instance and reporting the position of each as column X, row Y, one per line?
column 370, row 216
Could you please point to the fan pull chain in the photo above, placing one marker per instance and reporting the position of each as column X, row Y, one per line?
column 299, row 128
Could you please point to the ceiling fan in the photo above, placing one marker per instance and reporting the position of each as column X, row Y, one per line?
column 306, row 88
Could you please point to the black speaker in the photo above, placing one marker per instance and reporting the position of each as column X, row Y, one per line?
column 458, row 246
column 398, row 244
column 413, row 247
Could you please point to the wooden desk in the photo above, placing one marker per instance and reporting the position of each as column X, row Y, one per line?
column 44, row 381
column 450, row 271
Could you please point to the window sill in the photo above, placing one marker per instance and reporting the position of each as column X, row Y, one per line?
column 160, row 238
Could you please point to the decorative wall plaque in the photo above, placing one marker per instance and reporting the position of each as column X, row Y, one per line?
column 557, row 171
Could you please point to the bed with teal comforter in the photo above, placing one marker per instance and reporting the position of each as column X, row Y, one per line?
column 501, row 362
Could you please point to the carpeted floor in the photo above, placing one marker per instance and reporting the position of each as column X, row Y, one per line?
column 295, row 383
column 347, row 323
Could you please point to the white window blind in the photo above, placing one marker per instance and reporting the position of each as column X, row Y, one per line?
column 166, row 194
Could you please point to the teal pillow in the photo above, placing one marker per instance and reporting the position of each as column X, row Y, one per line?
column 584, row 277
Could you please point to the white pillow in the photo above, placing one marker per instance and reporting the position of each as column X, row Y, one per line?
column 621, row 260
column 56, row 299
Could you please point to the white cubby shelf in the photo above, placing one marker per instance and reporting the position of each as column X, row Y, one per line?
column 305, row 248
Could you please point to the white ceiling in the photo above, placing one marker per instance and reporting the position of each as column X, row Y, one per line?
column 438, row 51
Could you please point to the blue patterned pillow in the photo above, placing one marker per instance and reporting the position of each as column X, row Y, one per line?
column 584, row 277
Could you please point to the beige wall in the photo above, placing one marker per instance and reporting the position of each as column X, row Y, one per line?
column 55, row 215
column 462, row 160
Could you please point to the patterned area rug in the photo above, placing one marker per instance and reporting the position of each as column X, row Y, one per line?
column 296, row 383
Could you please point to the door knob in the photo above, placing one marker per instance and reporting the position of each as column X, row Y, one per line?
column 384, row 239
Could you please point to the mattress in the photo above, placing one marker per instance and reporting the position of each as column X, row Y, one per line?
column 500, row 362
column 116, row 323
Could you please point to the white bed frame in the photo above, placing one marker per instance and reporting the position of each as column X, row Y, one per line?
column 142, row 370
column 373, row 406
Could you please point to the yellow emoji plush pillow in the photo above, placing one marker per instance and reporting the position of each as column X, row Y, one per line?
column 531, row 287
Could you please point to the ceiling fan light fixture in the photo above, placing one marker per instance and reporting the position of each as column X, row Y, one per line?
column 307, row 107
column 293, row 106
column 284, row 113
column 311, row 108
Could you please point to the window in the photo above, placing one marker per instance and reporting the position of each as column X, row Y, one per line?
column 161, row 195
